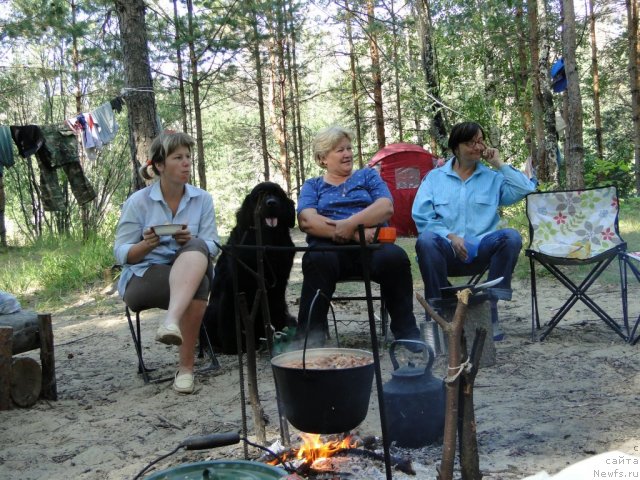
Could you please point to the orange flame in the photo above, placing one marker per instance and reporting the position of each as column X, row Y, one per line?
column 314, row 448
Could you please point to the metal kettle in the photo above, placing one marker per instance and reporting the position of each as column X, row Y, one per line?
column 414, row 400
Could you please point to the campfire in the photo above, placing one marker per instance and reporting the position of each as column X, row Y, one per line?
column 317, row 457
column 314, row 451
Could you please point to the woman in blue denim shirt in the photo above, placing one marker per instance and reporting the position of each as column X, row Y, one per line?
column 459, row 202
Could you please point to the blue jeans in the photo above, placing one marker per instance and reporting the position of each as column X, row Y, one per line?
column 390, row 267
column 499, row 250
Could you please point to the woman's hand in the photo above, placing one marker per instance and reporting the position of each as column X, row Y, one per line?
column 457, row 243
column 182, row 236
column 150, row 238
column 369, row 235
column 344, row 230
column 492, row 156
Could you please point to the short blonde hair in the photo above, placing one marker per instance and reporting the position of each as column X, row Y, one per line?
column 326, row 140
column 162, row 146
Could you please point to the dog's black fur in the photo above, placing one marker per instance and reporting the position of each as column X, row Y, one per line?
column 277, row 216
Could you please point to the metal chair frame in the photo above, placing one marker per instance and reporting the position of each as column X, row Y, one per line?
column 384, row 314
column 137, row 343
column 578, row 291
column 629, row 265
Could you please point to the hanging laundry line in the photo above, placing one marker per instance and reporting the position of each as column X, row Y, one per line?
column 55, row 146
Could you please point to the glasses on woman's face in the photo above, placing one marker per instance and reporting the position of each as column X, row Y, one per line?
column 475, row 143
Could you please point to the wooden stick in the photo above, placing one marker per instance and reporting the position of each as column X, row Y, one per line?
column 252, row 375
column 453, row 330
column 469, row 457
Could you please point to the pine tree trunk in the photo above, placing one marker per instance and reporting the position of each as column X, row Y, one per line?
column 596, row 80
column 84, row 209
column 288, row 29
column 575, row 149
column 411, row 61
column 183, row 99
column 549, row 168
column 195, row 87
column 522, row 77
column 140, row 98
column 296, row 94
column 438, row 129
column 376, row 76
column 537, row 138
column 276, row 109
column 285, row 161
column 396, row 66
column 634, row 81
column 354, row 83
column 255, row 47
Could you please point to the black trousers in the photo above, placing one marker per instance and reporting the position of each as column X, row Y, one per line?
column 390, row 267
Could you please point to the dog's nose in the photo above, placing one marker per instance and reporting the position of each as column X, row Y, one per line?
column 271, row 202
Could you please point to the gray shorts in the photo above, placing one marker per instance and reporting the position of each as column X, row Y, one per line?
column 152, row 289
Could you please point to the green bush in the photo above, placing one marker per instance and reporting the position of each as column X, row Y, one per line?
column 610, row 172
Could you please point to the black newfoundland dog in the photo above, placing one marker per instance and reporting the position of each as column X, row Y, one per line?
column 276, row 216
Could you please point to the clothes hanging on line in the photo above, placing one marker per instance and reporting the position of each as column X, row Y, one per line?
column 106, row 120
column 117, row 104
column 54, row 147
column 27, row 138
column 6, row 151
column 85, row 125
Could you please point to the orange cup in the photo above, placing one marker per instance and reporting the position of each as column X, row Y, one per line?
column 387, row 235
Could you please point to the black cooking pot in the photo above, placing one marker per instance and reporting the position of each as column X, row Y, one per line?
column 322, row 400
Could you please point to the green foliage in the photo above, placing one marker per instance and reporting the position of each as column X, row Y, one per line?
column 54, row 267
column 617, row 172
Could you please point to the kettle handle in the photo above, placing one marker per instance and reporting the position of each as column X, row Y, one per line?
column 427, row 350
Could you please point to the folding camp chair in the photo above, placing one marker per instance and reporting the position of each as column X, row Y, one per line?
column 573, row 228
column 137, row 343
column 383, row 317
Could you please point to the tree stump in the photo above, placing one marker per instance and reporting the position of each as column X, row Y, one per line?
column 26, row 381
column 21, row 332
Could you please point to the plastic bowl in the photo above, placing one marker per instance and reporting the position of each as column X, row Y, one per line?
column 168, row 229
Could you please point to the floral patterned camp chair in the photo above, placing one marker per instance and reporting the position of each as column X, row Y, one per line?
column 573, row 228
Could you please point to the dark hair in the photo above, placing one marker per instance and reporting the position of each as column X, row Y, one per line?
column 161, row 147
column 463, row 132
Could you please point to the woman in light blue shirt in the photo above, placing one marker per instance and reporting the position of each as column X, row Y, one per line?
column 169, row 271
column 459, row 201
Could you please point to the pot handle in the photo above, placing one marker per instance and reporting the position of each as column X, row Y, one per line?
column 428, row 353
column 210, row 441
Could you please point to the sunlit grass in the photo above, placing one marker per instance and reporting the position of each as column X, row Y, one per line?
column 49, row 271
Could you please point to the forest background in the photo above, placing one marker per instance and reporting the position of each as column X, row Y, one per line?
column 253, row 81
